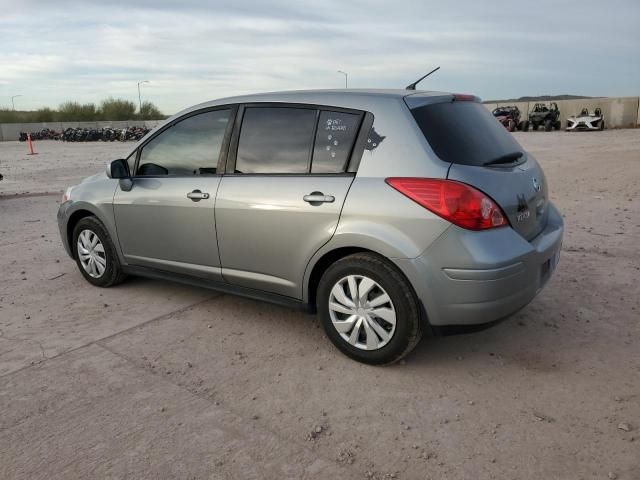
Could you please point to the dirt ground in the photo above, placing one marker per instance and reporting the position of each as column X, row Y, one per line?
column 158, row 380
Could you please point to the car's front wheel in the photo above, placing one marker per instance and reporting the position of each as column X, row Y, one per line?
column 95, row 253
column 368, row 309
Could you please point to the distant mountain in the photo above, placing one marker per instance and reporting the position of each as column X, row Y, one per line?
column 541, row 98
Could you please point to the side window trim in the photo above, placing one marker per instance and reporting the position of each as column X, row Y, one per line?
column 229, row 169
column 313, row 142
column 361, row 142
column 224, row 149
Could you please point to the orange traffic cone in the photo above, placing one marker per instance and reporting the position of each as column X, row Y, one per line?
column 30, row 143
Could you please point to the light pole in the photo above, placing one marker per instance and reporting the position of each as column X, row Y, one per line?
column 346, row 76
column 13, row 106
column 140, row 98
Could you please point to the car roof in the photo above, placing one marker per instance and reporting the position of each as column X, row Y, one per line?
column 338, row 97
column 343, row 92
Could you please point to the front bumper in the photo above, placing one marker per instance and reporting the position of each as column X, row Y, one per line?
column 582, row 126
column 470, row 278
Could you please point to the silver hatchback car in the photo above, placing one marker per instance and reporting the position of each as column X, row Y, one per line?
column 389, row 212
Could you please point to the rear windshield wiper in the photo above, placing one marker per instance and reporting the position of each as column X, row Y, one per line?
column 507, row 158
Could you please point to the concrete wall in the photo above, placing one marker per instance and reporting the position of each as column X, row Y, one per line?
column 621, row 112
column 11, row 131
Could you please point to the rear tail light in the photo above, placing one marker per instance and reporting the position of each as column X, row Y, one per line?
column 456, row 202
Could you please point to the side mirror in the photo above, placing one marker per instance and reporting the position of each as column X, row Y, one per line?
column 118, row 169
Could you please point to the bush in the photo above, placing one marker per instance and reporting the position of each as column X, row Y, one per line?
column 74, row 112
column 111, row 109
column 11, row 116
column 117, row 109
column 149, row 112
column 44, row 115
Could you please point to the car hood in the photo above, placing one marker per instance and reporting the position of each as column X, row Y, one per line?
column 94, row 178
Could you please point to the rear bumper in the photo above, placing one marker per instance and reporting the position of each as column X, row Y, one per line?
column 470, row 278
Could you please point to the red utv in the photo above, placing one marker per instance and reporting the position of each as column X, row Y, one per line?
column 509, row 117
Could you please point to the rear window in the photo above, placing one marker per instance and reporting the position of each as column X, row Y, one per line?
column 464, row 132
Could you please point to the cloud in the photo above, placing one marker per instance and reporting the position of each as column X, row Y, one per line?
column 199, row 50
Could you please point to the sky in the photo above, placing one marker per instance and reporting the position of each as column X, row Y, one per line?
column 192, row 51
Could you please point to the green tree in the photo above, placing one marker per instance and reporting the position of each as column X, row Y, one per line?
column 150, row 112
column 117, row 109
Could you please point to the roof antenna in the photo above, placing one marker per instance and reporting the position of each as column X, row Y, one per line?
column 413, row 85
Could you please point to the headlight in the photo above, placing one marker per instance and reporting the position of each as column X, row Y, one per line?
column 67, row 195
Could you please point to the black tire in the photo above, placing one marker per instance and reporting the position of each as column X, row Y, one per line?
column 535, row 126
column 525, row 126
column 602, row 125
column 548, row 125
column 511, row 126
column 557, row 125
column 408, row 329
column 113, row 273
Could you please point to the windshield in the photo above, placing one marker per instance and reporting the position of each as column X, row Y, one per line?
column 464, row 132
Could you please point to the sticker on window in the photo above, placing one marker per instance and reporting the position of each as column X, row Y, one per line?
column 334, row 140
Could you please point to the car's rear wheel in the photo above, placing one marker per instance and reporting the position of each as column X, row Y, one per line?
column 95, row 253
column 368, row 309
column 548, row 125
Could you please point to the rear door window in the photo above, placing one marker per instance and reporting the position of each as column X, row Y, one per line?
column 464, row 132
column 334, row 141
column 276, row 140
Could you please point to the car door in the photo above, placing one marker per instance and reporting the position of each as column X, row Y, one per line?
column 167, row 219
column 281, row 196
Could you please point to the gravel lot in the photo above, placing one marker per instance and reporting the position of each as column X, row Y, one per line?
column 159, row 380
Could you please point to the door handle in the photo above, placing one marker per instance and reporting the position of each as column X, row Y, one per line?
column 197, row 195
column 316, row 198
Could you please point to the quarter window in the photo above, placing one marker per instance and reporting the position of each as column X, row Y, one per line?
column 334, row 141
column 275, row 140
column 190, row 147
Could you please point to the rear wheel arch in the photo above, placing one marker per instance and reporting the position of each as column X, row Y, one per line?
column 324, row 262
column 332, row 256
